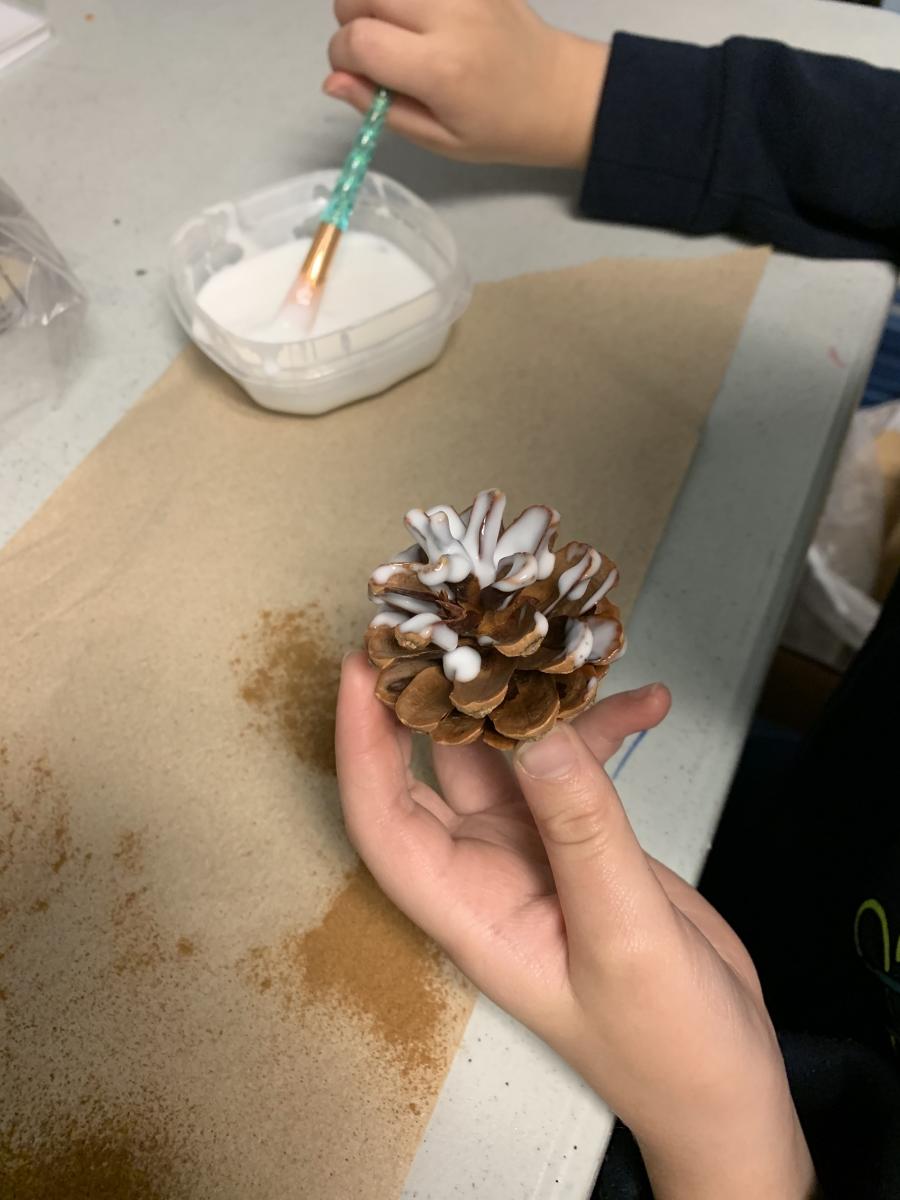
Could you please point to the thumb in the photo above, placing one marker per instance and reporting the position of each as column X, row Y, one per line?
column 606, row 887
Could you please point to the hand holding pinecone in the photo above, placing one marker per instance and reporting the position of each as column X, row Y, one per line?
column 489, row 632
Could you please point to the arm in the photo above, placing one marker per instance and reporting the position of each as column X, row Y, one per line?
column 751, row 138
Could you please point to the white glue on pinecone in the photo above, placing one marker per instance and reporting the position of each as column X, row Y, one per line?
column 489, row 632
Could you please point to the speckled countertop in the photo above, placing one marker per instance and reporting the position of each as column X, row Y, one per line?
column 237, row 97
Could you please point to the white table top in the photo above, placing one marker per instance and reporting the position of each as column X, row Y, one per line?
column 132, row 121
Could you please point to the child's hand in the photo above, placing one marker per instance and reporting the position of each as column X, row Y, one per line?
column 474, row 79
column 534, row 883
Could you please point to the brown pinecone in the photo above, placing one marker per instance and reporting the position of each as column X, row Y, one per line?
column 486, row 632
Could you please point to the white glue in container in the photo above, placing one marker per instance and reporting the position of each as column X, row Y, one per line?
column 394, row 289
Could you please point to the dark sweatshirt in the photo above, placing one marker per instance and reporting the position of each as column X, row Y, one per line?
column 750, row 138
column 801, row 151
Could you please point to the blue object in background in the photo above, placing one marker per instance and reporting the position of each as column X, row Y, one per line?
column 884, row 381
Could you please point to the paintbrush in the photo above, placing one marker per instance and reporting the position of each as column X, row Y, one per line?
column 306, row 291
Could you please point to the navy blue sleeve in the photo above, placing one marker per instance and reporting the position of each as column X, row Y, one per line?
column 750, row 138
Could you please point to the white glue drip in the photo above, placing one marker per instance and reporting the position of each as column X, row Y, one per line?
column 600, row 592
column 603, row 634
column 519, row 571
column 418, row 624
column 587, row 565
column 455, row 523
column 410, row 603
column 482, row 533
column 392, row 619
column 444, row 637
column 369, row 275
column 462, row 665
column 450, row 568
column 436, row 534
column 530, row 534
column 579, row 641
column 381, row 575
column 435, row 631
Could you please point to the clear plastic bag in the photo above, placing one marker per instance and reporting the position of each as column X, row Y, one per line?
column 41, row 306
column 834, row 611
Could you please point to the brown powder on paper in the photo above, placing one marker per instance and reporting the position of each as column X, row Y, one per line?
column 113, row 1159
column 34, row 813
column 136, row 934
column 37, row 856
column 130, row 850
column 367, row 963
column 41, row 865
column 288, row 670
column 137, row 938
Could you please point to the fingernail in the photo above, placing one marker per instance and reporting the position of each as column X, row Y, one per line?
column 550, row 757
column 641, row 692
column 348, row 654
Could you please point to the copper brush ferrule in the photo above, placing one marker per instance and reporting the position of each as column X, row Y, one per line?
column 316, row 265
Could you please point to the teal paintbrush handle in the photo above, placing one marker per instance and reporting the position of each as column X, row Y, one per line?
column 343, row 197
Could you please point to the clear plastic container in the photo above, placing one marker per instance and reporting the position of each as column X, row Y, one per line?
column 321, row 373
column 23, row 27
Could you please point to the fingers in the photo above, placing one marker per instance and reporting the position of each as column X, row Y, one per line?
column 406, row 847
column 405, row 116
column 372, row 767
column 608, row 892
column 408, row 14
column 394, row 58
column 473, row 778
column 384, row 822
column 356, row 92
column 614, row 718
